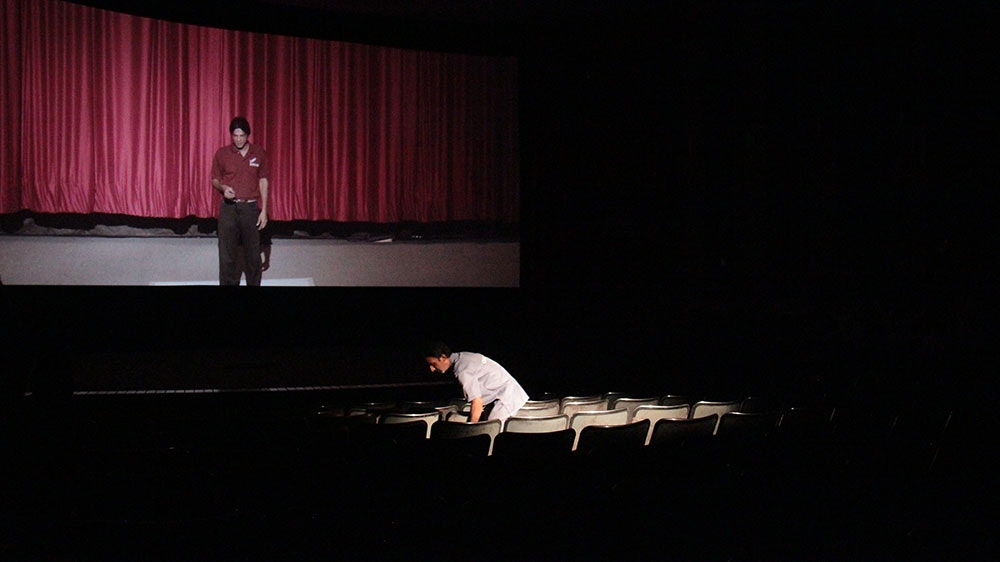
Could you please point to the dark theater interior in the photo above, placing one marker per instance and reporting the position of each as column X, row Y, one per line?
column 771, row 215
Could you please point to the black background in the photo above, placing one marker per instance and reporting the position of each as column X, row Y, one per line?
column 716, row 196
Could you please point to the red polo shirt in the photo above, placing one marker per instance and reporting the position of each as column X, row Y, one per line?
column 242, row 173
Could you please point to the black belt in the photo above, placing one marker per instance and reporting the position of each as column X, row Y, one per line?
column 231, row 201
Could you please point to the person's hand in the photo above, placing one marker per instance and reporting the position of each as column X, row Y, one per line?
column 228, row 192
column 262, row 220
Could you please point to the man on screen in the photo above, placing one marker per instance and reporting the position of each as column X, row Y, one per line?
column 239, row 173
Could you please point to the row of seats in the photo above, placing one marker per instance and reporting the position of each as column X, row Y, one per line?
column 585, row 422
column 652, row 407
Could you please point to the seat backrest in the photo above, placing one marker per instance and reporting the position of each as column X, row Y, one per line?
column 674, row 400
column 371, row 408
column 460, row 404
column 549, row 408
column 458, row 430
column 657, row 413
column 326, row 419
column 541, row 424
column 580, row 398
column 807, row 423
column 580, row 420
column 705, row 408
column 612, row 396
column 461, row 450
column 443, row 411
column 531, row 403
column 430, row 418
column 573, row 406
column 537, row 446
column 602, row 439
column 631, row 403
column 681, row 432
column 456, row 417
column 746, row 427
column 420, row 406
column 758, row 405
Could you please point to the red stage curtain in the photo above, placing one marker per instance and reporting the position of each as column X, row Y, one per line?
column 105, row 112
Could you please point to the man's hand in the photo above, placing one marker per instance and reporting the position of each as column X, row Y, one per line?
column 228, row 192
column 262, row 220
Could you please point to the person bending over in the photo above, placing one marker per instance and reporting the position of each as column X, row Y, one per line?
column 489, row 388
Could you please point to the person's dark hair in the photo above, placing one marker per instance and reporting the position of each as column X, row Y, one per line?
column 240, row 123
column 436, row 349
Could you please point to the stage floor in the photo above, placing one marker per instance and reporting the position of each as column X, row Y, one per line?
column 95, row 260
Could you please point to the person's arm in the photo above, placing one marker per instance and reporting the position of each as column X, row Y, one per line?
column 476, row 409
column 225, row 190
column 262, row 218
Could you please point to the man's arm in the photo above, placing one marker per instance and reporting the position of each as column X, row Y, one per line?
column 262, row 218
column 225, row 190
column 476, row 409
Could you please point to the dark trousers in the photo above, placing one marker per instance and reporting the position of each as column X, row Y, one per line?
column 486, row 411
column 238, row 227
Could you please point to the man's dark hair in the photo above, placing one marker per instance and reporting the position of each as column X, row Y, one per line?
column 436, row 349
column 240, row 123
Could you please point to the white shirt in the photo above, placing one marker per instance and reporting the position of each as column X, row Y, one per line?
column 482, row 377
